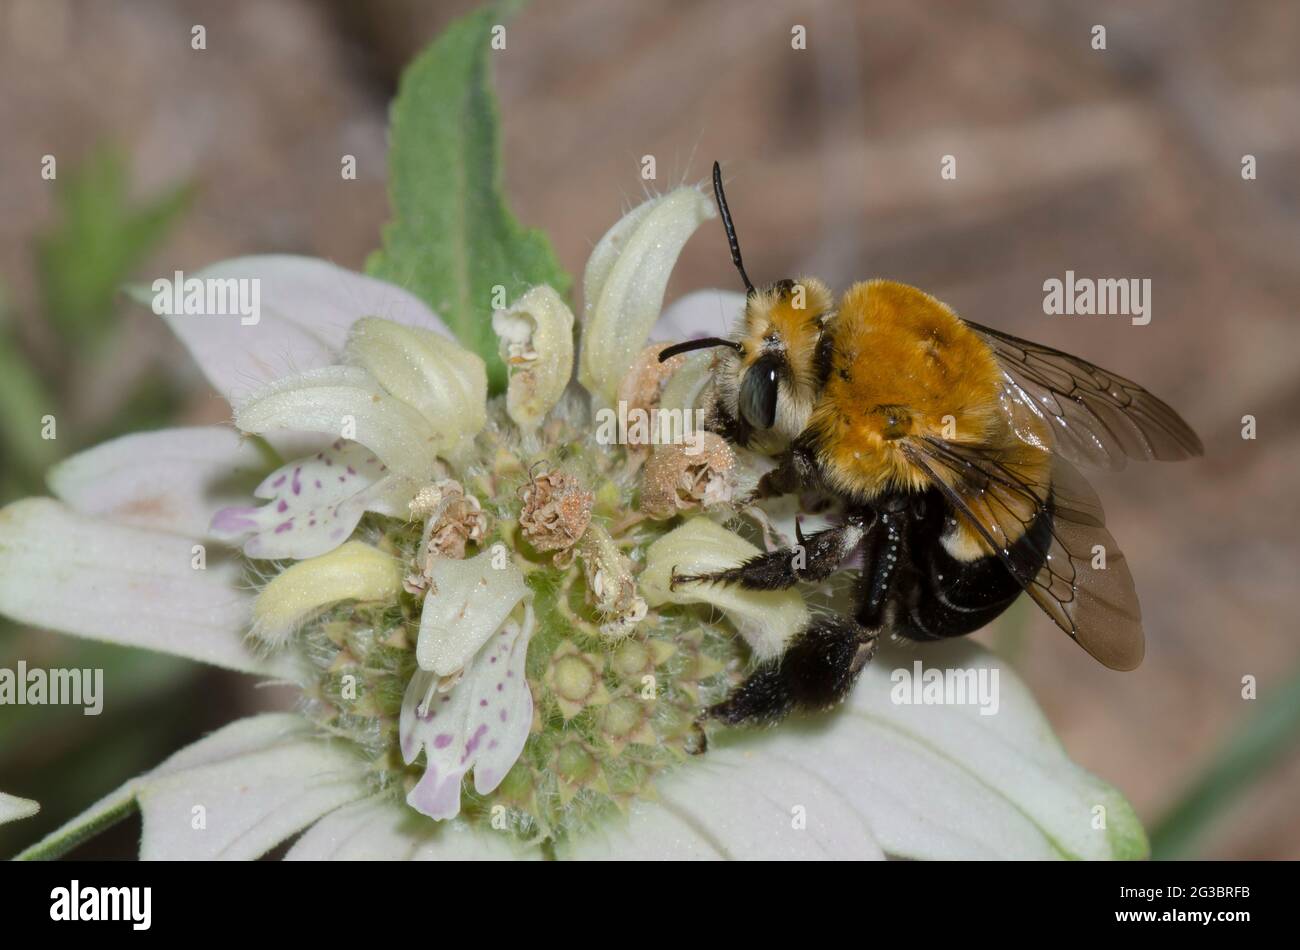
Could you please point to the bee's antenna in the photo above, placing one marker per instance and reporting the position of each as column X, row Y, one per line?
column 678, row 348
column 729, row 227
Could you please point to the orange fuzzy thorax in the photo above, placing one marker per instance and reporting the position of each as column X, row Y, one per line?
column 903, row 365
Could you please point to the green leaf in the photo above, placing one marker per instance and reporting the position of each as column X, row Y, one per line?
column 452, row 238
column 26, row 402
column 100, row 238
column 97, row 820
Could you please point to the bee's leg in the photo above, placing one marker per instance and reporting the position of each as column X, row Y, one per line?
column 814, row 558
column 815, row 672
column 796, row 471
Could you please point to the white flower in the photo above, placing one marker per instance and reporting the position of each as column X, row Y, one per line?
column 412, row 397
column 453, row 677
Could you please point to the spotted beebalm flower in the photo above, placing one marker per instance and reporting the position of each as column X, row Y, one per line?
column 491, row 659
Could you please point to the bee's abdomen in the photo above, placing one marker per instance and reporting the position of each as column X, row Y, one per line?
column 913, row 587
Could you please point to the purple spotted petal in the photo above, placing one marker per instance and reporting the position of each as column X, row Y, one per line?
column 313, row 504
column 435, row 722
column 481, row 723
column 502, row 712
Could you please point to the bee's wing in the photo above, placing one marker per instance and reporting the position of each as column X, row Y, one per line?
column 1097, row 607
column 1098, row 418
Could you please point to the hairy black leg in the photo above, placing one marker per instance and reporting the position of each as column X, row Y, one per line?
column 815, row 672
column 814, row 558
column 796, row 470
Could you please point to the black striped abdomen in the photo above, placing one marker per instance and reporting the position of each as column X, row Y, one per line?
column 912, row 586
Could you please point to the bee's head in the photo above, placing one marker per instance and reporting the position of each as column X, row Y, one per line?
column 769, row 376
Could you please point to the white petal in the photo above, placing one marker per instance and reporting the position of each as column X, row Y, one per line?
column 315, row 503
column 346, row 401
column 384, row 829
column 944, row 782
column 699, row 313
column 13, row 808
column 170, row 480
column 606, row 254
column 226, row 743
column 307, row 308
column 467, row 602
column 624, row 284
column 259, row 780
column 1012, row 754
column 734, row 805
column 82, row 576
column 250, row 802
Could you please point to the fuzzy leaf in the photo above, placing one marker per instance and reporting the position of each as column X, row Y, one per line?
column 452, row 238
column 13, row 808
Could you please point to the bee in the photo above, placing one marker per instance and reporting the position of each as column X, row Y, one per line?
column 951, row 448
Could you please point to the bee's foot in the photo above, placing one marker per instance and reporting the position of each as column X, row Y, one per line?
column 697, row 742
column 675, row 579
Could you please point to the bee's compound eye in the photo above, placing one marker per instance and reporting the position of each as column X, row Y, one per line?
column 758, row 392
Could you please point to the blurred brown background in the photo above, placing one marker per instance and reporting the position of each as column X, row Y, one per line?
column 1117, row 163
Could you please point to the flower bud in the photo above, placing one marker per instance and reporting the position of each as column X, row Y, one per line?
column 536, row 335
column 765, row 618
column 575, row 679
column 625, row 281
column 355, row 571
column 346, row 401
column 610, row 584
column 444, row 382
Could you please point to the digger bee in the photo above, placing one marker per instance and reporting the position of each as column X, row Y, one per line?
column 950, row 447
